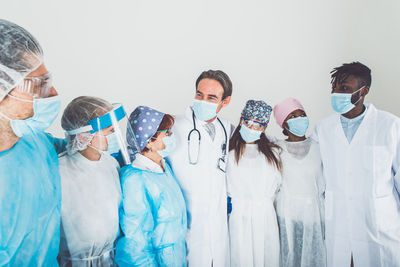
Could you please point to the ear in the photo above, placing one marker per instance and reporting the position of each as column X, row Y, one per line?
column 149, row 145
column 226, row 101
column 285, row 126
column 364, row 91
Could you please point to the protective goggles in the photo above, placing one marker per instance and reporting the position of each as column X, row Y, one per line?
column 256, row 125
column 37, row 87
column 114, row 122
column 167, row 131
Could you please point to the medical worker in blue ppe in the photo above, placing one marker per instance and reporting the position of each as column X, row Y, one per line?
column 199, row 163
column 253, row 179
column 30, row 193
column 300, row 202
column 360, row 152
column 153, row 212
column 91, row 192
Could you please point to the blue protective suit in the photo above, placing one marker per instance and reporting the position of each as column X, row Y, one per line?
column 30, row 203
column 152, row 218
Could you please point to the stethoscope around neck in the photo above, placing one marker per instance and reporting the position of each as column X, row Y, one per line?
column 194, row 146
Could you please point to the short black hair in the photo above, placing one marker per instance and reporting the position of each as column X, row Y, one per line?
column 220, row 77
column 356, row 69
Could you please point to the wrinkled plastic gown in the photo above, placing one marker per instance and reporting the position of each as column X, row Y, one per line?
column 299, row 205
column 152, row 218
column 30, row 203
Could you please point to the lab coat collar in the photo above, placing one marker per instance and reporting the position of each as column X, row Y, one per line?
column 144, row 163
column 368, row 115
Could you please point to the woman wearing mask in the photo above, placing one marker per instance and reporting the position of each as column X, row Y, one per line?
column 153, row 214
column 299, row 203
column 91, row 192
column 253, row 178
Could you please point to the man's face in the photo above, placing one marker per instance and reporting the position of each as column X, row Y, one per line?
column 348, row 86
column 211, row 91
column 21, row 110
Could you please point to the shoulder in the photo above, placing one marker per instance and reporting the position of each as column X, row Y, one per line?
column 111, row 160
column 326, row 122
column 62, row 159
column 384, row 117
column 131, row 175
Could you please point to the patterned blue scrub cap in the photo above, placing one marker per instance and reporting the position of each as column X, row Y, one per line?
column 144, row 122
column 257, row 110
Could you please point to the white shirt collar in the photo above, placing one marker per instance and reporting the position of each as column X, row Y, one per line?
column 144, row 163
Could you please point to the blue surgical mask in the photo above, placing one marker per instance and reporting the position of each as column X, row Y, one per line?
column 249, row 135
column 298, row 126
column 204, row 110
column 112, row 144
column 341, row 103
column 45, row 111
column 170, row 144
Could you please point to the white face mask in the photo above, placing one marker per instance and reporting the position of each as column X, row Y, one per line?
column 45, row 111
column 170, row 144
column 341, row 103
column 204, row 110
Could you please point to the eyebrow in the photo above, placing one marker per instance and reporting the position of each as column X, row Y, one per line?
column 213, row 96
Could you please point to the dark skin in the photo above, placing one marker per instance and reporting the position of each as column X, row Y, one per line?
column 294, row 114
column 349, row 86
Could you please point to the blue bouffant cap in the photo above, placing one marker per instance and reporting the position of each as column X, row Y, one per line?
column 144, row 122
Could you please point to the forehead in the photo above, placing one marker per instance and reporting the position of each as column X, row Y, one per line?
column 350, row 80
column 40, row 71
column 210, row 87
column 297, row 112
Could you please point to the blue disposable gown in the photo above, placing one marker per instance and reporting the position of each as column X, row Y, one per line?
column 152, row 218
column 30, row 203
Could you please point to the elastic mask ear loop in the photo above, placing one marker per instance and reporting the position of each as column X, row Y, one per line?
column 359, row 98
column 5, row 116
column 20, row 99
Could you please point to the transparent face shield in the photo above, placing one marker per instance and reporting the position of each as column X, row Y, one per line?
column 109, row 134
column 37, row 87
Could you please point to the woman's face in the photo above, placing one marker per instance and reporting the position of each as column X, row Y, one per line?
column 99, row 140
column 156, row 143
column 292, row 115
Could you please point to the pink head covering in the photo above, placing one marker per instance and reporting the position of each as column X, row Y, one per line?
column 283, row 109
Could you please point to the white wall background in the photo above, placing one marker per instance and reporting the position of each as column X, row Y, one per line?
column 145, row 52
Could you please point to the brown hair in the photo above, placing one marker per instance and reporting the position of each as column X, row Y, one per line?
column 166, row 123
column 265, row 146
column 219, row 76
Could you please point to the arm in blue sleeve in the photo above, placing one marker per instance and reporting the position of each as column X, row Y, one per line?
column 60, row 145
column 135, row 247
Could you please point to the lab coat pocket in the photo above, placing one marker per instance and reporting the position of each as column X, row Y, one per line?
column 328, row 205
column 387, row 214
column 382, row 171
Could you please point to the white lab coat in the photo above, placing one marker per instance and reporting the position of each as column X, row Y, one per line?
column 299, row 205
column 362, row 208
column 91, row 196
column 253, row 228
column 204, row 189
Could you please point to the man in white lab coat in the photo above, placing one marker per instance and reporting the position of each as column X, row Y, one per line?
column 199, row 165
column 360, row 150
